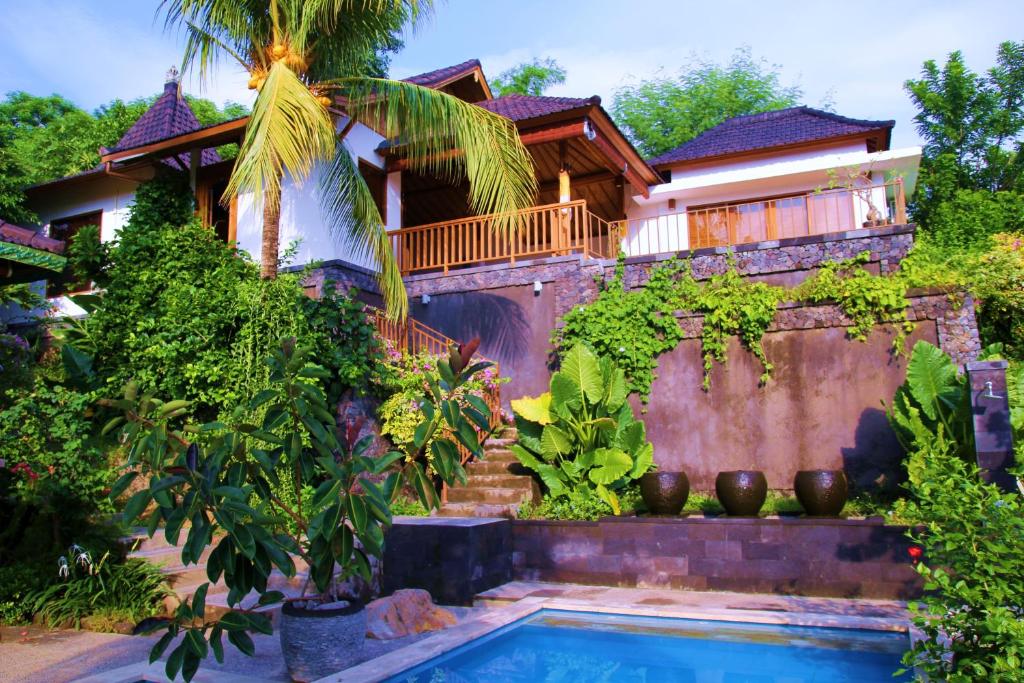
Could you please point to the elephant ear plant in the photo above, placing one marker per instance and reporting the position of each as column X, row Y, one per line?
column 581, row 436
column 228, row 482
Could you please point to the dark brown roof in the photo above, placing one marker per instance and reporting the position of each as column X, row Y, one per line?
column 29, row 238
column 770, row 129
column 168, row 117
column 522, row 107
column 432, row 78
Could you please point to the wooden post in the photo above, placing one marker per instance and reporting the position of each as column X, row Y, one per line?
column 194, row 157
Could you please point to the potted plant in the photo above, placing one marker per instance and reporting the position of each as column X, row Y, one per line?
column 822, row 493
column 741, row 492
column 664, row 493
column 291, row 487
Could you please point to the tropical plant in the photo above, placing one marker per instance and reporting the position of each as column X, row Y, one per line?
column 529, row 78
column 581, row 437
column 934, row 395
column 969, row 553
column 304, row 58
column 221, row 479
column 132, row 590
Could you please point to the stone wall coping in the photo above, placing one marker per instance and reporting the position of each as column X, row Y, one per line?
column 342, row 263
column 977, row 365
column 874, row 521
column 491, row 267
column 861, row 233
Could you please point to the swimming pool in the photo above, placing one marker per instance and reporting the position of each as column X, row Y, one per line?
column 569, row 647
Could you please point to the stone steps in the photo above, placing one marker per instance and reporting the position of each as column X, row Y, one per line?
column 496, row 485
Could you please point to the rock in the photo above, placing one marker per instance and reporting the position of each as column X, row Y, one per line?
column 340, row 604
column 404, row 613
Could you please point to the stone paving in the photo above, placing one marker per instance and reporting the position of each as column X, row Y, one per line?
column 36, row 655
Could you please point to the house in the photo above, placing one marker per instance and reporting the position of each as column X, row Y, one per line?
column 784, row 191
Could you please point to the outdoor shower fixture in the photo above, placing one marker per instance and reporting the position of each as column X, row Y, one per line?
column 537, row 286
column 425, row 299
column 989, row 393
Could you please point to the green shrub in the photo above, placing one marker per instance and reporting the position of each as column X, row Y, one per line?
column 972, row 537
column 17, row 583
column 581, row 437
column 408, row 507
column 133, row 590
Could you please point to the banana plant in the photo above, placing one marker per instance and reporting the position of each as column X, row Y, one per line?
column 581, row 435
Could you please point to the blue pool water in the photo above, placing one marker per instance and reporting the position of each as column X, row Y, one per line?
column 572, row 647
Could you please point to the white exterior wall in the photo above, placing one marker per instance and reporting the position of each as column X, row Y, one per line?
column 301, row 217
column 654, row 227
column 112, row 196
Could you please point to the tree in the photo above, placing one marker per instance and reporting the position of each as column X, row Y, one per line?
column 529, row 78
column 306, row 57
column 662, row 113
column 50, row 137
column 972, row 172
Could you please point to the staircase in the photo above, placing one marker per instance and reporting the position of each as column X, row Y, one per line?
column 184, row 580
column 496, row 485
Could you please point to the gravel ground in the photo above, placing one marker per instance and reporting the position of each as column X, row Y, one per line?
column 31, row 654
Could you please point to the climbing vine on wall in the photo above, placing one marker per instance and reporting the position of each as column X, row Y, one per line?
column 637, row 326
column 866, row 299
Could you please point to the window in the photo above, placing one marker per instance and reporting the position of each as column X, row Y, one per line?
column 377, row 180
column 65, row 229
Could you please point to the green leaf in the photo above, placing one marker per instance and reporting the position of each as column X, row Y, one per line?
column 581, row 366
column 122, row 483
column 242, row 641
column 196, row 643
column 271, row 597
column 611, row 464
column 535, row 409
column 357, row 509
column 175, row 661
column 160, row 647
column 199, row 602
column 216, row 644
column 233, row 621
column 931, row 375
column 642, row 462
column 135, row 505
column 554, row 443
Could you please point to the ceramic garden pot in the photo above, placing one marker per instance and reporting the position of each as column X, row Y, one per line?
column 822, row 493
column 741, row 492
column 665, row 493
column 318, row 642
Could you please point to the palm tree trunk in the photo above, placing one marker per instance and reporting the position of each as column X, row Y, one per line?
column 271, row 233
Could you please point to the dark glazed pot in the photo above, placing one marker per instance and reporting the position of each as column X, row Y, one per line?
column 741, row 492
column 822, row 493
column 665, row 493
column 316, row 643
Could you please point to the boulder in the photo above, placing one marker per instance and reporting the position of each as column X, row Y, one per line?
column 405, row 612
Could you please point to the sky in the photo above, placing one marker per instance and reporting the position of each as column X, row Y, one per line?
column 858, row 55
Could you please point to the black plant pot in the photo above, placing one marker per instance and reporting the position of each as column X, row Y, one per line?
column 822, row 493
column 741, row 492
column 665, row 493
column 316, row 643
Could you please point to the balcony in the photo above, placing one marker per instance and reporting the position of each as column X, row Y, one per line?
column 570, row 228
column 538, row 232
column 797, row 215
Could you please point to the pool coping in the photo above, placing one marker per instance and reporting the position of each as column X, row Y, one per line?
column 403, row 659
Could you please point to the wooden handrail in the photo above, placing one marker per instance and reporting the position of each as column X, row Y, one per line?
column 548, row 230
column 799, row 215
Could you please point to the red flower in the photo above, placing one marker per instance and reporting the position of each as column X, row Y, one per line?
column 915, row 553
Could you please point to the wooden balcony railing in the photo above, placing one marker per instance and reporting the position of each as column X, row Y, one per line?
column 813, row 213
column 550, row 230
column 414, row 337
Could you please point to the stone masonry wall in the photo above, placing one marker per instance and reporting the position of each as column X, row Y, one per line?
column 796, row 556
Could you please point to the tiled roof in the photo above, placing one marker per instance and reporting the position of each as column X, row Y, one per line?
column 29, row 238
column 432, row 78
column 767, row 130
column 522, row 107
column 168, row 117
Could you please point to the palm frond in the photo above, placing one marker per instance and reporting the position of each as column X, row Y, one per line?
column 288, row 132
column 445, row 136
column 349, row 210
column 203, row 47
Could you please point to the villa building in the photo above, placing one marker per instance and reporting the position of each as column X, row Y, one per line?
column 777, row 194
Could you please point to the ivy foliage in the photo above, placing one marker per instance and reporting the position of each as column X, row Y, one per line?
column 867, row 299
column 634, row 327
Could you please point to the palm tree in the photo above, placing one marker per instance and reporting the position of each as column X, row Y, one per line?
column 307, row 61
